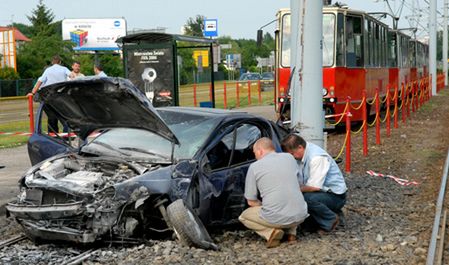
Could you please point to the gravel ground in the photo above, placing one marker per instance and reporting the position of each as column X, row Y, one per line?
column 385, row 223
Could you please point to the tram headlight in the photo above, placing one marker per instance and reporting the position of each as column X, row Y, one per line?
column 324, row 91
column 332, row 100
column 281, row 100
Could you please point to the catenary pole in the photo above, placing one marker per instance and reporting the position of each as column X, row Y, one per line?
column 306, row 54
column 446, row 5
column 433, row 45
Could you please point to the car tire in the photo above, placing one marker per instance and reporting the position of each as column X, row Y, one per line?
column 188, row 227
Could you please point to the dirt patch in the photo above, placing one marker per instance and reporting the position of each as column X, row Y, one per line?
column 386, row 223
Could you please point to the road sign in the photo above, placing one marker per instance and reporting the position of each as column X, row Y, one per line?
column 210, row 28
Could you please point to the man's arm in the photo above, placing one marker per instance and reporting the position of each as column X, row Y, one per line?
column 253, row 203
column 319, row 166
column 36, row 87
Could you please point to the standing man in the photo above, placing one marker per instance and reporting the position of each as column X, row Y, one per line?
column 273, row 179
column 76, row 71
column 321, row 181
column 53, row 74
column 98, row 69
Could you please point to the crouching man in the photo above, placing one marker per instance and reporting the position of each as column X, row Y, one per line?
column 282, row 207
column 321, row 182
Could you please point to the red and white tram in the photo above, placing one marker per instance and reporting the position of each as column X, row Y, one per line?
column 359, row 53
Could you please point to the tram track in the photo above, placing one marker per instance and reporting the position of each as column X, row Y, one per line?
column 11, row 241
column 440, row 222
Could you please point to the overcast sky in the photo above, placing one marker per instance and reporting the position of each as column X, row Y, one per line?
column 236, row 18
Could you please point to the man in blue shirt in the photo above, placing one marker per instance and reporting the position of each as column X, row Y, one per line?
column 320, row 179
column 53, row 74
column 271, row 190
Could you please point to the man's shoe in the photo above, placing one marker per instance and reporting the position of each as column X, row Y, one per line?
column 322, row 232
column 275, row 238
column 335, row 224
column 291, row 239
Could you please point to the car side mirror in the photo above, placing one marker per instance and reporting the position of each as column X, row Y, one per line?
column 259, row 37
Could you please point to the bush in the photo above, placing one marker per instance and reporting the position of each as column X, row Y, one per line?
column 8, row 73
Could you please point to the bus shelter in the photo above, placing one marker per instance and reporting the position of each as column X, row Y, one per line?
column 151, row 63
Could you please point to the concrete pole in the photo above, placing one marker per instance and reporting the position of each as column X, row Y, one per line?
column 446, row 5
column 433, row 45
column 306, row 59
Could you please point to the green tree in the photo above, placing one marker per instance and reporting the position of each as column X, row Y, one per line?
column 34, row 56
column 195, row 26
column 41, row 19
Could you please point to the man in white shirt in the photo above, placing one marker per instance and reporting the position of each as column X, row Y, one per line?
column 98, row 69
column 53, row 74
column 321, row 181
column 76, row 71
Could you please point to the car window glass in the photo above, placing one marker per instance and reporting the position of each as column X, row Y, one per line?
column 226, row 154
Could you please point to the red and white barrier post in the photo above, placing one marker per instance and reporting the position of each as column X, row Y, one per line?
column 225, row 100
column 396, row 95
column 365, row 124
column 249, row 92
column 195, row 103
column 31, row 112
column 348, row 141
column 237, row 91
column 388, row 111
column 377, row 117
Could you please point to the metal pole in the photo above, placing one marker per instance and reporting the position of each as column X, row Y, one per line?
column 446, row 5
column 433, row 45
column 306, row 55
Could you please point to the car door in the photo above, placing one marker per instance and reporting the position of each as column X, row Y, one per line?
column 225, row 165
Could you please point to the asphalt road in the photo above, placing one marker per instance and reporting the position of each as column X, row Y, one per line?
column 16, row 161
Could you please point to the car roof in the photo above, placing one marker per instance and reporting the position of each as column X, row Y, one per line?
column 210, row 112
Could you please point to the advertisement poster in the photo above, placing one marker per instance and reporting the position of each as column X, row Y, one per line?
column 151, row 70
column 94, row 34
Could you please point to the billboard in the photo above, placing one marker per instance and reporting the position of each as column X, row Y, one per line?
column 151, row 70
column 7, row 49
column 94, row 34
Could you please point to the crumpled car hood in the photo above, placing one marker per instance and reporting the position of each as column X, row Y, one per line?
column 93, row 103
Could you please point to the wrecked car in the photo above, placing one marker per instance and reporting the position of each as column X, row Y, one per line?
column 135, row 171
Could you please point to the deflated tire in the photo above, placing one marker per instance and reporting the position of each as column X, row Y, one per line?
column 188, row 227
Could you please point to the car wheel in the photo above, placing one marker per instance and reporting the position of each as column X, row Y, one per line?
column 188, row 227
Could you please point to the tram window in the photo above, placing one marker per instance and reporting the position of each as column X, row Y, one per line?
column 328, row 39
column 404, row 51
column 285, row 48
column 392, row 49
column 354, row 42
column 412, row 54
column 340, row 41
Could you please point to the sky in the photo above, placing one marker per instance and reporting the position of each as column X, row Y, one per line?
column 236, row 18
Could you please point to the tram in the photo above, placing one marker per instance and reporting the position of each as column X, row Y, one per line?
column 360, row 53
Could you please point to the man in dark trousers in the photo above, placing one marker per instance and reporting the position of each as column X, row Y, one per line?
column 321, row 181
column 271, row 190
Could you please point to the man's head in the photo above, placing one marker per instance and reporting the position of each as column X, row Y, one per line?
column 76, row 67
column 262, row 147
column 98, row 68
column 56, row 59
column 295, row 145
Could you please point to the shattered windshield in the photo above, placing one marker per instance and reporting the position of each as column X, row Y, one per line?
column 191, row 131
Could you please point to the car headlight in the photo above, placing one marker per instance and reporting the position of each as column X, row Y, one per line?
column 324, row 92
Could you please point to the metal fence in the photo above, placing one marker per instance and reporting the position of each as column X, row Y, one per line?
column 14, row 88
